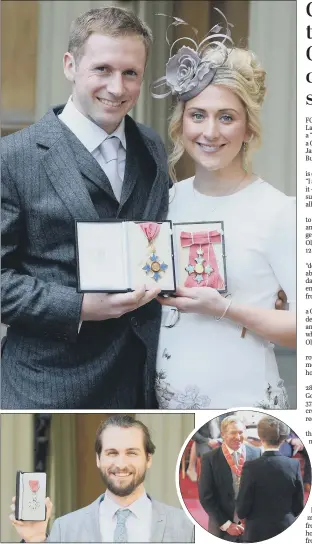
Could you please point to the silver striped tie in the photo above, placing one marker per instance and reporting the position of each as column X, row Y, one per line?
column 120, row 533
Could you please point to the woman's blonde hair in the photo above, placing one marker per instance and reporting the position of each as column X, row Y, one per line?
column 244, row 76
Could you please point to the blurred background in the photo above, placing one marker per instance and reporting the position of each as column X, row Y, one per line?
column 63, row 446
column 34, row 38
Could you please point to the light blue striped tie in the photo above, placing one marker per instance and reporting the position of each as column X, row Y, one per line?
column 120, row 533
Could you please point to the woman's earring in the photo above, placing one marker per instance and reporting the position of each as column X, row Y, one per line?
column 245, row 162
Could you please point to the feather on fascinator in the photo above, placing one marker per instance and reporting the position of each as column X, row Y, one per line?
column 186, row 73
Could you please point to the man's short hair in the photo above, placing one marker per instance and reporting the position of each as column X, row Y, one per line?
column 272, row 431
column 228, row 420
column 124, row 422
column 110, row 21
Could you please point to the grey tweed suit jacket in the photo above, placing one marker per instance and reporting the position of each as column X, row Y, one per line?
column 49, row 180
column 169, row 524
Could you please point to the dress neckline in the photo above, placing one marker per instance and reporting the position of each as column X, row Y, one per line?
column 248, row 187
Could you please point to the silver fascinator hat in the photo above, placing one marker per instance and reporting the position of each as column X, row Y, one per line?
column 186, row 73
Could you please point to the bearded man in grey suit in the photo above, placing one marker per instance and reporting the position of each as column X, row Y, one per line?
column 86, row 161
column 125, row 513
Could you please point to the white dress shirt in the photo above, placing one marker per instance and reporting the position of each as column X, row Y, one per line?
column 92, row 136
column 239, row 451
column 138, row 524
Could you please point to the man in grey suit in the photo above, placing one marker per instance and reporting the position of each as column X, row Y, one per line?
column 125, row 513
column 220, row 477
column 87, row 161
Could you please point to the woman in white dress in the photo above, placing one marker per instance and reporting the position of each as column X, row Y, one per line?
column 219, row 353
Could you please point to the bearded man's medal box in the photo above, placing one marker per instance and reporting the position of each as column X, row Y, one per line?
column 30, row 496
column 117, row 256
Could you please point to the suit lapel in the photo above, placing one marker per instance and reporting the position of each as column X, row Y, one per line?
column 91, row 530
column 158, row 522
column 226, row 473
column 131, row 166
column 161, row 175
column 135, row 140
column 130, row 179
column 61, row 168
column 60, row 165
column 87, row 164
column 92, row 523
column 64, row 159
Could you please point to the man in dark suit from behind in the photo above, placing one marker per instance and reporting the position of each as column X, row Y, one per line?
column 271, row 490
column 220, row 477
column 65, row 349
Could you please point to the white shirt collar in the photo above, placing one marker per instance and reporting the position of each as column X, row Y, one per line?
column 270, row 449
column 138, row 507
column 240, row 449
column 90, row 134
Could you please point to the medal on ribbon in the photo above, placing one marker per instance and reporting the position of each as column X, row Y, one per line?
column 154, row 266
column 34, row 486
column 202, row 267
column 237, row 469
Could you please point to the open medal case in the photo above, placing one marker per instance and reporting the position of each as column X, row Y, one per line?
column 117, row 256
column 199, row 251
column 30, row 496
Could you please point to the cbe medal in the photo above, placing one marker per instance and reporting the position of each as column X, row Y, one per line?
column 34, row 486
column 199, row 268
column 154, row 267
column 202, row 267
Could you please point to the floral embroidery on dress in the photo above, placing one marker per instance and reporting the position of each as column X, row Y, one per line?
column 189, row 399
column 275, row 400
column 163, row 392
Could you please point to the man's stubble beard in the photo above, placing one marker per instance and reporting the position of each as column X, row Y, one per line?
column 122, row 491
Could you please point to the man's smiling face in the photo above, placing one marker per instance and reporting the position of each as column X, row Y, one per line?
column 123, row 461
column 233, row 436
column 107, row 77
